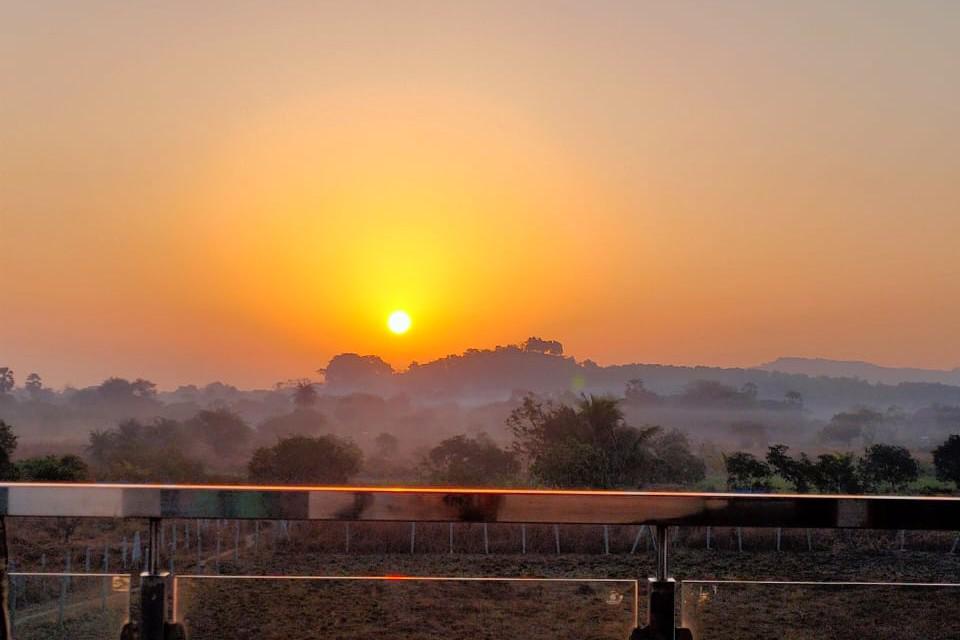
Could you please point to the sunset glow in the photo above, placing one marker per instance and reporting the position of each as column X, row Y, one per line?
column 672, row 189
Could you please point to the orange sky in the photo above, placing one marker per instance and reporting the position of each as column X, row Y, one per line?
column 238, row 191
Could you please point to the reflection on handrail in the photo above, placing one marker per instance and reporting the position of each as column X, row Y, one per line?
column 414, row 504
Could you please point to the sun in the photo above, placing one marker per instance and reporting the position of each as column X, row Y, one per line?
column 399, row 322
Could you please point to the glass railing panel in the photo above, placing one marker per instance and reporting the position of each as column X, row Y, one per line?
column 305, row 608
column 69, row 606
column 718, row 610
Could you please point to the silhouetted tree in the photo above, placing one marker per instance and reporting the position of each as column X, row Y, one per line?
column 847, row 426
column 33, row 385
column 7, row 381
column 352, row 371
column 637, row 394
column 304, row 394
column 673, row 462
column 836, row 473
column 589, row 445
column 887, row 467
column 137, row 452
column 221, row 430
column 793, row 399
column 710, row 393
column 387, row 445
column 799, row 472
column 302, row 421
column 303, row 460
column 8, row 444
column 946, row 459
column 465, row 461
column 538, row 345
column 746, row 472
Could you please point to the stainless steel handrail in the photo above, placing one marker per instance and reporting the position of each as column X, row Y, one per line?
column 419, row 504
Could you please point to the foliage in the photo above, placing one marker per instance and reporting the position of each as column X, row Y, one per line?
column 221, row 430
column 33, row 383
column 68, row 468
column 471, row 462
column 713, row 394
column 353, row 371
column 302, row 421
column 746, row 472
column 8, row 444
column 588, row 445
column 304, row 394
column 304, row 460
column 946, row 459
column 137, row 452
column 847, row 426
column 539, row 345
column 387, row 445
column 673, row 462
column 799, row 472
column 636, row 393
column 836, row 473
column 7, row 381
column 887, row 467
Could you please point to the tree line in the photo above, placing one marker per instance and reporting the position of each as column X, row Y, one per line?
column 882, row 468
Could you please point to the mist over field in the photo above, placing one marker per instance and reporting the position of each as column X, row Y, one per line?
column 441, row 421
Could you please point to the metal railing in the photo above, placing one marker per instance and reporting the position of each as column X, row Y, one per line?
column 658, row 510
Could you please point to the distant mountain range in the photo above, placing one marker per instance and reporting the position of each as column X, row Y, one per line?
column 861, row 370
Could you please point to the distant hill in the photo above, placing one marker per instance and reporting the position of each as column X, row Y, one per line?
column 479, row 376
column 861, row 370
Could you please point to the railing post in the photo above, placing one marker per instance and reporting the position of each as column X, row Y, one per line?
column 153, row 596
column 662, row 599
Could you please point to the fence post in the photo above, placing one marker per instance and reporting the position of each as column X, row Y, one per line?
column 779, row 533
column 708, row 538
column 413, row 536
column 606, row 540
column 346, row 537
column 903, row 535
column 236, row 541
column 556, row 536
column 523, row 539
column 450, row 535
column 486, row 539
column 809, row 541
column 739, row 540
column 956, row 543
column 153, row 601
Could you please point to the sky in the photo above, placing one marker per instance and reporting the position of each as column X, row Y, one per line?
column 239, row 191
